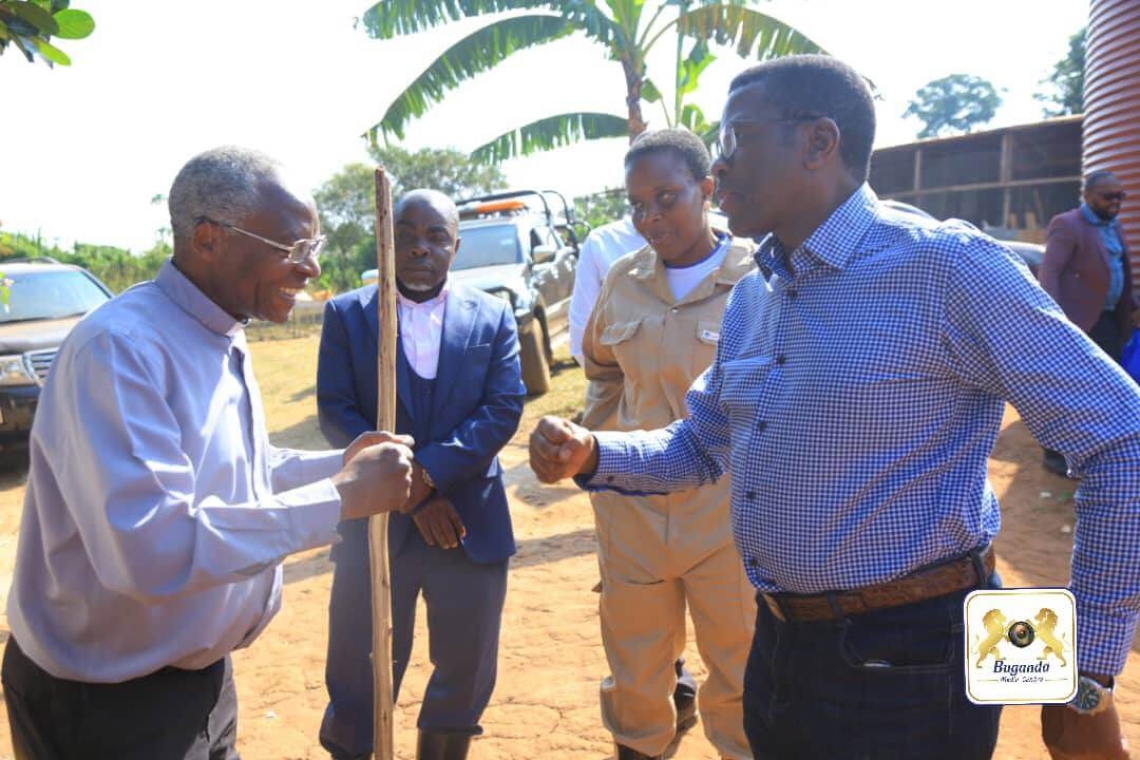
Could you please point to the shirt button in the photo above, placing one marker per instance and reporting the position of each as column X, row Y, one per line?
column 753, row 562
column 792, row 292
column 761, row 425
column 781, row 359
column 751, row 496
column 609, row 478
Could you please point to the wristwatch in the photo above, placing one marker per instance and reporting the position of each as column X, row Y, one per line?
column 426, row 477
column 1092, row 698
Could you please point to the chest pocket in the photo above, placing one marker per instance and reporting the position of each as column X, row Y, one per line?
column 708, row 332
column 615, row 335
column 619, row 339
column 702, row 349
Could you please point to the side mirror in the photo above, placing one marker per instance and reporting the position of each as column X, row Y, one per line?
column 543, row 254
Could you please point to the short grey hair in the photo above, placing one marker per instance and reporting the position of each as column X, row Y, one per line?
column 222, row 184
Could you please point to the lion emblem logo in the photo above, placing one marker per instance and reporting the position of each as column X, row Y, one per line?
column 994, row 621
column 1046, row 621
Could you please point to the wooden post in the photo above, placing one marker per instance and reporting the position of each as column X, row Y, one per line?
column 378, row 524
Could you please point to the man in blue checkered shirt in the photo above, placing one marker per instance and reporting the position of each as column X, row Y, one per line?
column 856, row 395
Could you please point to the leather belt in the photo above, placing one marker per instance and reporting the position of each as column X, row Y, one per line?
column 925, row 583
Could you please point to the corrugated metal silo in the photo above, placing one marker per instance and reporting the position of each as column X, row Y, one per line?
column 1112, row 105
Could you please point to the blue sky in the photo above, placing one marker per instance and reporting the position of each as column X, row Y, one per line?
column 87, row 147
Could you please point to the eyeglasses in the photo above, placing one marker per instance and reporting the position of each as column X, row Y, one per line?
column 727, row 140
column 1113, row 197
column 298, row 253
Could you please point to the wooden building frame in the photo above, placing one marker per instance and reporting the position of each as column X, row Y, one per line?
column 1009, row 182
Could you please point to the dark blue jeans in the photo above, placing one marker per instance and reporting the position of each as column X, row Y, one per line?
column 887, row 684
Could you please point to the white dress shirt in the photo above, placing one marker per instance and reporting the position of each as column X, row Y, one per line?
column 421, row 331
column 157, row 513
column 602, row 247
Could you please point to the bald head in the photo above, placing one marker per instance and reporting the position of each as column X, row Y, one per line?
column 426, row 224
column 1104, row 194
column 433, row 199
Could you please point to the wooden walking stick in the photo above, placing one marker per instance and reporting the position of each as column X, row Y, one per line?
column 378, row 524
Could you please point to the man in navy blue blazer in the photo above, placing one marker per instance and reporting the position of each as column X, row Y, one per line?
column 460, row 395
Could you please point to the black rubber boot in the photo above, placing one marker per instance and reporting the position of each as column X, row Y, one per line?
column 442, row 745
column 686, row 713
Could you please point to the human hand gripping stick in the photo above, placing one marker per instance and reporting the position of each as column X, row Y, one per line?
column 376, row 476
column 560, row 449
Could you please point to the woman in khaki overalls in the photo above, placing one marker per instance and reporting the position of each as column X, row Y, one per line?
column 653, row 331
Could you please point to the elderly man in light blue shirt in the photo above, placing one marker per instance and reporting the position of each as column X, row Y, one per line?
column 157, row 513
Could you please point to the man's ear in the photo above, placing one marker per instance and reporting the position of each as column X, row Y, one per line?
column 822, row 143
column 206, row 241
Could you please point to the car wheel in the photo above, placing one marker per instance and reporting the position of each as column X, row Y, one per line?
column 532, row 355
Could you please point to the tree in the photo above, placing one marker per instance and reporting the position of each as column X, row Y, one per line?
column 1067, row 81
column 624, row 27
column 347, row 202
column 602, row 207
column 117, row 268
column 448, row 170
column 29, row 24
column 954, row 104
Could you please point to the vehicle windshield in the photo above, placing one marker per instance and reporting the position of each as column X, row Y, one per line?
column 487, row 247
column 49, row 295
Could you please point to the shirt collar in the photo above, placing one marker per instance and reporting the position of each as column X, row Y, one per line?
column 834, row 242
column 186, row 295
column 431, row 303
column 1091, row 217
column 647, row 264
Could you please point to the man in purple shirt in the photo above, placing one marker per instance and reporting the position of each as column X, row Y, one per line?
column 1086, row 269
column 157, row 513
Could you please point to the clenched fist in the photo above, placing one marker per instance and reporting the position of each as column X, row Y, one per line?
column 376, row 477
column 560, row 449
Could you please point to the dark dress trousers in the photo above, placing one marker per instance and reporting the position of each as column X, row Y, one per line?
column 460, row 419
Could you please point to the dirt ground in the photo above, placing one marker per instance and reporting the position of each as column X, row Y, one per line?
column 551, row 659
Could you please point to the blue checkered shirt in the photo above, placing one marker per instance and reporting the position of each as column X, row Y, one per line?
column 856, row 400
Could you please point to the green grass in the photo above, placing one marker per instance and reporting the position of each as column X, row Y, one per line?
column 566, row 397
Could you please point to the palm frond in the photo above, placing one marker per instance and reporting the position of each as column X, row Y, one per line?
column 550, row 133
column 479, row 51
column 594, row 24
column 394, row 18
column 754, row 34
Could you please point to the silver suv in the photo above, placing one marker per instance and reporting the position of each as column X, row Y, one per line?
column 522, row 246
